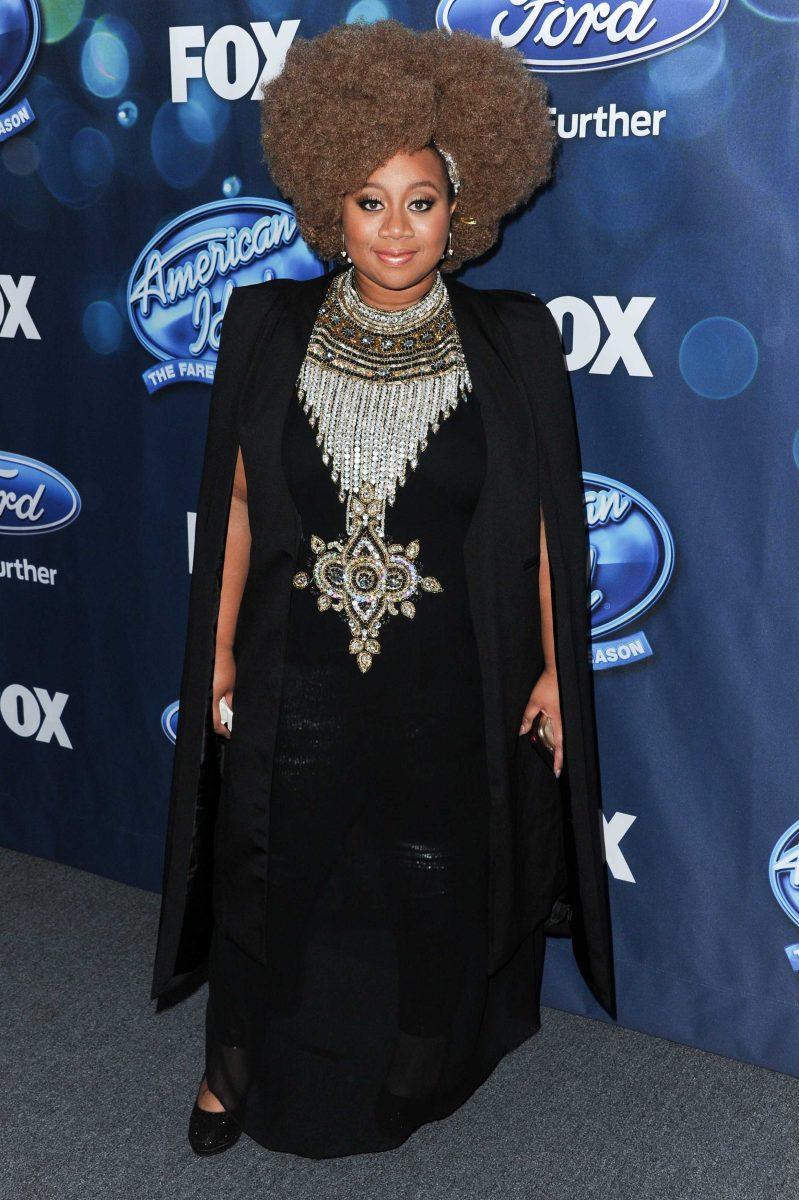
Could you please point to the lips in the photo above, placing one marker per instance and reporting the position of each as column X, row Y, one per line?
column 395, row 258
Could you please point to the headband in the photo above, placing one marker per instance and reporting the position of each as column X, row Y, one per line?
column 452, row 167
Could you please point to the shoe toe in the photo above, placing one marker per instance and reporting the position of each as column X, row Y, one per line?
column 211, row 1132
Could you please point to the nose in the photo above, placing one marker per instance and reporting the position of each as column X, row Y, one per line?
column 396, row 224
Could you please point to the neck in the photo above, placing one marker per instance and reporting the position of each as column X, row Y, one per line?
column 392, row 299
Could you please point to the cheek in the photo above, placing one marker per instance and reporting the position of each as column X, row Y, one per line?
column 360, row 225
column 440, row 222
column 432, row 225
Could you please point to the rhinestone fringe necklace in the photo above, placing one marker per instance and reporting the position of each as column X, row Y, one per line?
column 374, row 383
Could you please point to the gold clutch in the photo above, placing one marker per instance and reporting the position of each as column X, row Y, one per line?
column 542, row 736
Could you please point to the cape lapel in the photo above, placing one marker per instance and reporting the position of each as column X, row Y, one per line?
column 277, row 359
column 507, row 508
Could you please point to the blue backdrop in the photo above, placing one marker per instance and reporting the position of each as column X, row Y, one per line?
column 132, row 197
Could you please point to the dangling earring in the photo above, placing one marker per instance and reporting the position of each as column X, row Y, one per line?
column 343, row 251
column 448, row 253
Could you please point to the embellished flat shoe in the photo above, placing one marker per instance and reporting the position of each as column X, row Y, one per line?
column 211, row 1132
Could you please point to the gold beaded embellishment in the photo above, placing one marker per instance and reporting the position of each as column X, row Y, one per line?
column 374, row 383
column 366, row 579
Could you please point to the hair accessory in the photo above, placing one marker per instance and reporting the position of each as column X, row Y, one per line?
column 452, row 167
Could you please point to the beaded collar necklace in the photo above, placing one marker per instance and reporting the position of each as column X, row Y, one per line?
column 374, row 383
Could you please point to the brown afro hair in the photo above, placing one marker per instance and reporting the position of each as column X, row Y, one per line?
column 349, row 99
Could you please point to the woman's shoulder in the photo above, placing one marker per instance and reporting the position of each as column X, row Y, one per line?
column 248, row 297
column 524, row 312
column 252, row 300
column 506, row 298
column 246, row 307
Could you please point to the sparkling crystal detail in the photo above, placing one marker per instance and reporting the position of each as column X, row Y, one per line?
column 374, row 383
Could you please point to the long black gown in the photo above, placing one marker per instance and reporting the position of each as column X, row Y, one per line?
column 375, row 1012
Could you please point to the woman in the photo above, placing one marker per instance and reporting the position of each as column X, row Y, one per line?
column 389, row 585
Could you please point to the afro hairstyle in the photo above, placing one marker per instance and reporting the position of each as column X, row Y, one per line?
column 350, row 98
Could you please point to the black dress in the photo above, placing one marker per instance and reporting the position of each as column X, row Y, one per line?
column 375, row 1012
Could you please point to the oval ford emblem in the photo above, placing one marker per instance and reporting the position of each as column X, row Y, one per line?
column 181, row 282
column 169, row 720
column 555, row 37
column 20, row 31
column 34, row 498
column 783, row 872
column 631, row 558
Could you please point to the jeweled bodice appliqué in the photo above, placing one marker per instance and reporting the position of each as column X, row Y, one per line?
column 374, row 384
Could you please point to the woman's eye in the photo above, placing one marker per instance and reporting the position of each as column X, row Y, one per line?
column 367, row 201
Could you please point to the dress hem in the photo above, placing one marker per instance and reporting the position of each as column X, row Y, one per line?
column 501, row 986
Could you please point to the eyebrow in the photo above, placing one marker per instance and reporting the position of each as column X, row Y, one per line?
column 416, row 183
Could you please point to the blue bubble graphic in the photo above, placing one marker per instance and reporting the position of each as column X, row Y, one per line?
column 60, row 18
column 62, row 170
column 127, row 114
column 102, row 327
column 622, row 186
column 690, row 71
column 367, row 11
column 231, row 187
column 20, row 155
column 195, row 123
column 213, row 122
column 796, row 448
column 773, row 10
column 179, row 159
column 104, row 64
column 718, row 358
column 696, row 87
column 92, row 157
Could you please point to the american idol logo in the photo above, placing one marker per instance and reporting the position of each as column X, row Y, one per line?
column 34, row 498
column 559, row 37
column 169, row 721
column 631, row 558
column 181, row 282
column 20, row 34
column 783, row 874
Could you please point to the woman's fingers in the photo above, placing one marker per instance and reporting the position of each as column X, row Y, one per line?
column 557, row 728
column 217, row 715
column 529, row 715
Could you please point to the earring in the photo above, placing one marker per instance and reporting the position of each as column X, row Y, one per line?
column 448, row 253
column 343, row 251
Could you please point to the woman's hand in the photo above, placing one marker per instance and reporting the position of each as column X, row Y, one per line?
column 546, row 695
column 224, row 683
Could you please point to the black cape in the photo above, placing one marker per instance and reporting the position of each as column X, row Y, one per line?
column 513, row 350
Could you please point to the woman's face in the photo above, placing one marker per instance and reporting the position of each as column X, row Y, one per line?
column 396, row 225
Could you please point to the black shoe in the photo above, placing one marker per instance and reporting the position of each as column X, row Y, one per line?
column 211, row 1132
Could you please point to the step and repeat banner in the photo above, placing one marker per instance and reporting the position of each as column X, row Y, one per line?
column 133, row 199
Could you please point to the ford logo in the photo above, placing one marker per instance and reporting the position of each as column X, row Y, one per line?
column 169, row 721
column 631, row 558
column 181, row 282
column 554, row 36
column 783, row 874
column 20, row 33
column 34, row 498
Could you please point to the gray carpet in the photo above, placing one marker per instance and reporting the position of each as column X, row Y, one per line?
column 97, row 1089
